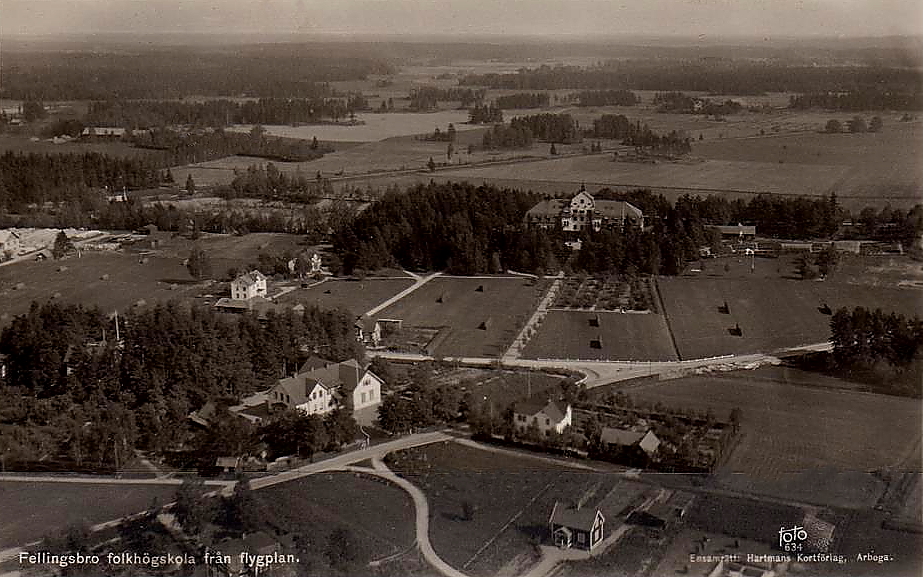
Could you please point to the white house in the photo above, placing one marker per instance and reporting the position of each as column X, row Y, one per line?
column 325, row 385
column 583, row 212
column 546, row 415
column 248, row 286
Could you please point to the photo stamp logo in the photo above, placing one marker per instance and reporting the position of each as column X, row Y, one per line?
column 792, row 539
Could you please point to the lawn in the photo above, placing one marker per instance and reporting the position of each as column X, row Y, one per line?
column 357, row 296
column 771, row 313
column 818, row 445
column 82, row 282
column 471, row 322
column 623, row 337
column 161, row 277
column 378, row 516
column 510, row 499
column 33, row 510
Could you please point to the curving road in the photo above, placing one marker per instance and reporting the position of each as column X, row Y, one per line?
column 422, row 515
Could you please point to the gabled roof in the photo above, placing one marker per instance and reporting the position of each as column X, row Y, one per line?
column 314, row 362
column 366, row 323
column 552, row 409
column 581, row 519
column 250, row 278
column 617, row 209
column 622, row 437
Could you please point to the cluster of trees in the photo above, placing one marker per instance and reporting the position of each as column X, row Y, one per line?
column 183, row 148
column 221, row 113
column 549, row 127
column 618, row 126
column 607, row 98
column 454, row 226
column 278, row 70
column 428, row 97
column 854, row 124
column 267, row 181
column 485, row 114
column 861, row 99
column 523, row 100
column 503, row 136
column 862, row 337
column 72, row 392
column 421, row 403
column 822, row 264
column 716, row 77
column 38, row 178
column 682, row 103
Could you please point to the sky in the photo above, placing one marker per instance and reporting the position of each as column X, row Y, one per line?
column 566, row 18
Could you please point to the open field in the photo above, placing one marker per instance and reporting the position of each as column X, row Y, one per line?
column 568, row 334
column 23, row 144
column 378, row 516
column 510, row 499
column 356, row 296
column 818, row 445
column 162, row 277
column 502, row 308
column 501, row 388
column 771, row 313
column 33, row 510
column 377, row 126
column 158, row 279
column 863, row 169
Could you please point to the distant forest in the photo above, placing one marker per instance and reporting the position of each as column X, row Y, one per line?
column 717, row 76
column 859, row 100
column 220, row 113
column 274, row 71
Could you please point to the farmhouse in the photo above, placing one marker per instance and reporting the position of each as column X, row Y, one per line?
column 578, row 527
column 248, row 286
column 368, row 330
column 622, row 440
column 546, row 415
column 325, row 385
column 583, row 212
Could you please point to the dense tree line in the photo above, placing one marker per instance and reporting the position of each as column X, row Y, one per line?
column 136, row 114
column 428, row 97
column 271, row 183
column 863, row 337
column 549, row 127
column 618, row 126
column 858, row 100
column 37, row 178
column 685, row 104
column 278, row 71
column 503, row 136
column 523, row 100
column 607, row 98
column 485, row 114
column 182, row 148
column 66, row 369
column 717, row 77
column 455, row 226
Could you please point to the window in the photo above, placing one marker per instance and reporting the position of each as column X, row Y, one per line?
column 547, row 422
column 363, row 397
column 581, row 537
